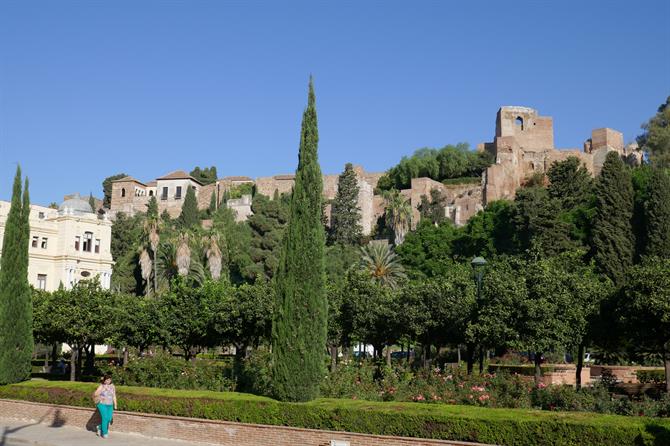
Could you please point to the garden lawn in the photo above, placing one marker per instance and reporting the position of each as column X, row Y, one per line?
column 439, row 421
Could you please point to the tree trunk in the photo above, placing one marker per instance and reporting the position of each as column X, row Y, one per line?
column 333, row 358
column 538, row 368
column 458, row 349
column 90, row 359
column 126, row 353
column 54, row 353
column 470, row 354
column 481, row 360
column 73, row 363
column 580, row 364
column 666, row 360
column 79, row 361
column 388, row 355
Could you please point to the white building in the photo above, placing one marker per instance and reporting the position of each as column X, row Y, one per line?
column 66, row 245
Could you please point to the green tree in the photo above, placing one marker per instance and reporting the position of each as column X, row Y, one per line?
column 345, row 215
column 373, row 310
column 398, row 215
column 16, row 331
column 299, row 327
column 190, row 216
column 380, row 263
column 488, row 233
column 206, row 175
column 152, row 208
column 572, row 185
column 107, row 189
column 449, row 162
column 126, row 238
column 655, row 140
column 613, row 241
column 212, row 204
column 428, row 251
column 657, row 215
column 437, row 311
column 188, row 313
column 539, row 229
column 646, row 309
column 432, row 209
column 91, row 202
column 76, row 313
column 267, row 226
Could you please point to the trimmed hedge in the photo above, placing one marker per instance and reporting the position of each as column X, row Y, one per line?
column 513, row 427
column 651, row 376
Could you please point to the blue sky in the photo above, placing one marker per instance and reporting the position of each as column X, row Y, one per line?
column 90, row 88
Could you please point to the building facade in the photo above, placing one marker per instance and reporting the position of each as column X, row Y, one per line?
column 66, row 245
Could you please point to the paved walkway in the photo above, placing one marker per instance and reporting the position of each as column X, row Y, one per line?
column 26, row 433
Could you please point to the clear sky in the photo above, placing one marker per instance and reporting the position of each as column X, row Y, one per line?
column 91, row 88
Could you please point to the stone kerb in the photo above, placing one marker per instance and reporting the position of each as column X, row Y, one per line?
column 199, row 430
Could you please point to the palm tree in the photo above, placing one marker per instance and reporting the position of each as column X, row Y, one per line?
column 379, row 260
column 146, row 268
column 175, row 259
column 398, row 214
column 214, row 257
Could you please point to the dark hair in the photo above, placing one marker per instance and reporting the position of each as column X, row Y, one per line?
column 105, row 378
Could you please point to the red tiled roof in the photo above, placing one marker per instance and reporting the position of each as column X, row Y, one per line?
column 178, row 175
column 129, row 179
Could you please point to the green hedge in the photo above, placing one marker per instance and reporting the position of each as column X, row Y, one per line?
column 439, row 421
column 651, row 376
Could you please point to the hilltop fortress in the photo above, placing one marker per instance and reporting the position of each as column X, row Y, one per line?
column 522, row 147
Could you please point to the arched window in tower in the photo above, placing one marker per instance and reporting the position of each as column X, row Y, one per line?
column 519, row 122
column 123, row 192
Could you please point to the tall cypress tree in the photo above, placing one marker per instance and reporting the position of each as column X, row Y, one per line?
column 301, row 311
column 152, row 208
column 657, row 215
column 189, row 216
column 613, row 242
column 345, row 215
column 16, row 332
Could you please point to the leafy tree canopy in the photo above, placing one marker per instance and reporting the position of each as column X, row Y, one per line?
column 655, row 140
column 206, row 175
column 438, row 164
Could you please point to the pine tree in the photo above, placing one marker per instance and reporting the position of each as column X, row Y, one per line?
column 570, row 183
column 152, row 208
column 345, row 215
column 301, row 311
column 657, row 215
column 613, row 243
column 189, row 216
column 16, row 334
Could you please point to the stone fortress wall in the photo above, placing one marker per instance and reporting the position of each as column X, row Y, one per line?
column 523, row 145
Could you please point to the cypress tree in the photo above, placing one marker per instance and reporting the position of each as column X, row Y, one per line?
column 91, row 202
column 212, row 203
column 657, row 215
column 613, row 243
column 345, row 215
column 152, row 208
column 189, row 216
column 301, row 311
column 16, row 333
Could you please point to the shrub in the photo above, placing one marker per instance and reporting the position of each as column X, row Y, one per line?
column 651, row 376
column 446, row 422
column 168, row 372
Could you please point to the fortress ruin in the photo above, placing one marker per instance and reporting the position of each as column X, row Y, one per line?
column 523, row 146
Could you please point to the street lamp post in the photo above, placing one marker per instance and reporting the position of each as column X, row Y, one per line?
column 478, row 264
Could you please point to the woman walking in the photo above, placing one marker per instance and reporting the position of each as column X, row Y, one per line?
column 105, row 401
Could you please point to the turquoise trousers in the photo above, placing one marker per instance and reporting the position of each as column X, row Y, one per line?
column 106, row 411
